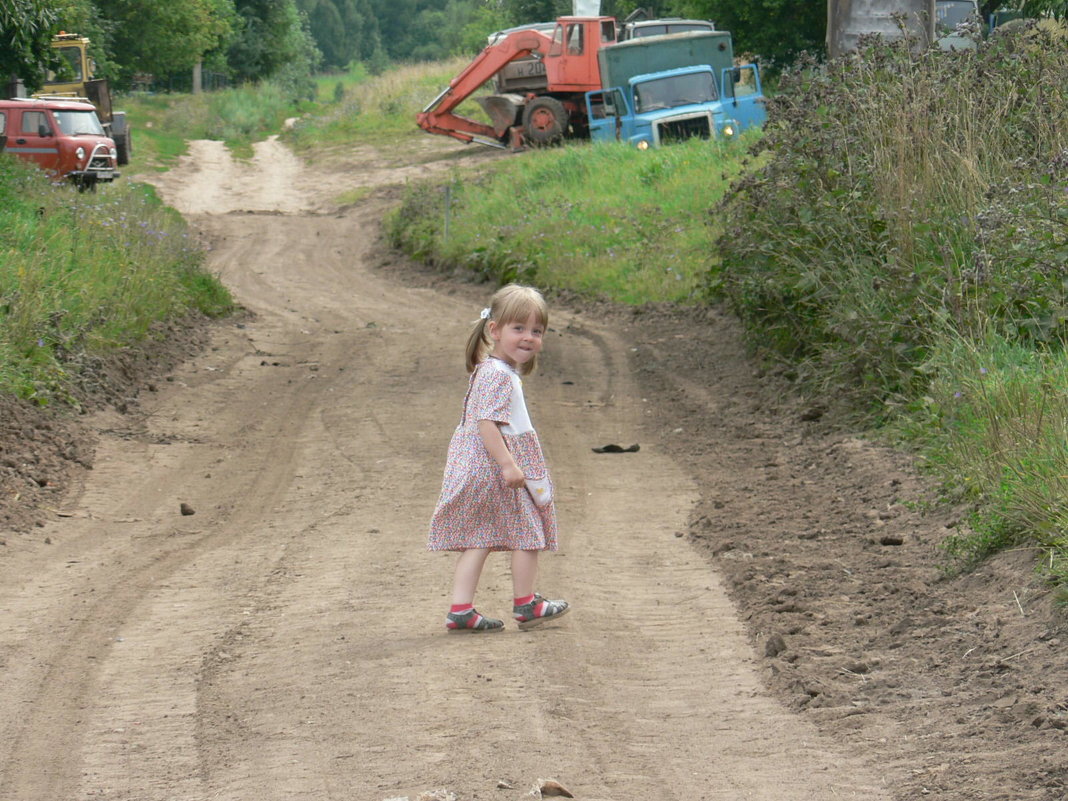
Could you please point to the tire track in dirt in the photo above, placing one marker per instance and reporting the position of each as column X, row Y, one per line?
column 286, row 642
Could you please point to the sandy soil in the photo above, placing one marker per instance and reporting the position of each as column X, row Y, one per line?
column 758, row 611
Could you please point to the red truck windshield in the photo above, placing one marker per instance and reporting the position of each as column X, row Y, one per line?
column 73, row 123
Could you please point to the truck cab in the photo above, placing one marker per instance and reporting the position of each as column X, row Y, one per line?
column 676, row 86
column 957, row 24
column 64, row 138
column 672, row 105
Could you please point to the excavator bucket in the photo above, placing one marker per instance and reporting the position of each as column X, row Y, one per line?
column 503, row 110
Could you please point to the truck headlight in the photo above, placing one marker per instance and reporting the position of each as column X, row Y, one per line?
column 114, row 153
column 80, row 153
column 643, row 144
column 728, row 131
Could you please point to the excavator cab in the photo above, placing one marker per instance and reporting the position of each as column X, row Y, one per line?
column 540, row 106
column 571, row 64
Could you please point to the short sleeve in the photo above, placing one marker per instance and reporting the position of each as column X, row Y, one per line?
column 491, row 396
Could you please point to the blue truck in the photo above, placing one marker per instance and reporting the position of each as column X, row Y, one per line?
column 661, row 89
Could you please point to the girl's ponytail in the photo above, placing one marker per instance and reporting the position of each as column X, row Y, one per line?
column 478, row 344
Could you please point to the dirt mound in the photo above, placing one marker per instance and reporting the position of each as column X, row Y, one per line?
column 44, row 449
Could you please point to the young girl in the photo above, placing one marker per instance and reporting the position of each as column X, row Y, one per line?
column 485, row 502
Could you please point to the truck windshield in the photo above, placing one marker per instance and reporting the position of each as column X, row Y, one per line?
column 675, row 90
column 73, row 123
column 670, row 27
column 71, row 68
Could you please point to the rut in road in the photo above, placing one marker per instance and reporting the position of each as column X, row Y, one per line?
column 287, row 640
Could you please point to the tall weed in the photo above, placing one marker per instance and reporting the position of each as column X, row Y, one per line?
column 903, row 193
column 379, row 109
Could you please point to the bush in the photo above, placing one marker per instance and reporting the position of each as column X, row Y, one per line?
column 905, row 193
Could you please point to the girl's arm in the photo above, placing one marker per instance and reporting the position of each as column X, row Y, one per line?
column 494, row 442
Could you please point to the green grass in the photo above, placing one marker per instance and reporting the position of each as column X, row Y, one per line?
column 332, row 87
column 85, row 274
column 994, row 428
column 163, row 124
column 604, row 220
column 157, row 142
column 377, row 110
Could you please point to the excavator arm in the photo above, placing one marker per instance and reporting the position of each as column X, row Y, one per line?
column 439, row 117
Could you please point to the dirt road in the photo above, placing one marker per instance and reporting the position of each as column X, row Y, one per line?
column 286, row 641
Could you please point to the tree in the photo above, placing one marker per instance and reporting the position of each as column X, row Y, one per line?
column 26, row 29
column 83, row 18
column 165, row 38
column 273, row 41
column 775, row 30
column 344, row 30
column 1038, row 8
column 524, row 12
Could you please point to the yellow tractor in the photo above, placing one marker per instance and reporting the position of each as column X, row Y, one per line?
column 75, row 81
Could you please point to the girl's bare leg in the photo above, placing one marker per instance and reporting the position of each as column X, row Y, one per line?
column 524, row 573
column 468, row 571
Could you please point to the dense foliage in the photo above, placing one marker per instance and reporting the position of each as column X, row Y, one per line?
column 243, row 39
column 905, row 193
column 286, row 40
column 776, row 31
column 905, row 249
column 345, row 31
column 25, row 30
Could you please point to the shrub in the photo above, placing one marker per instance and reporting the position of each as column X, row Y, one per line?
column 904, row 192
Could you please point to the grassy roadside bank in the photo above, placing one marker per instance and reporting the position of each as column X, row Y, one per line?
column 906, row 249
column 605, row 220
column 86, row 274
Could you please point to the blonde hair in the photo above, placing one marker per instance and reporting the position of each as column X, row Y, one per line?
column 510, row 304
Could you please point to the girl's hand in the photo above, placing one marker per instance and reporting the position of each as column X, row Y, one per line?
column 494, row 442
column 513, row 476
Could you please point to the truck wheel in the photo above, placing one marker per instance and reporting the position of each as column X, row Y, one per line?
column 544, row 121
column 124, row 147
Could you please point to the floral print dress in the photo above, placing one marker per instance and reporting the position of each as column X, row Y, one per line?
column 476, row 508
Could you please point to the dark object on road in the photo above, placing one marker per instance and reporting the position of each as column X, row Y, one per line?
column 616, row 449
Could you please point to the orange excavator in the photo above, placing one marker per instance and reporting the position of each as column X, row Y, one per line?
column 544, row 102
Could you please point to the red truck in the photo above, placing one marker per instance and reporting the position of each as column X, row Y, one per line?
column 62, row 137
